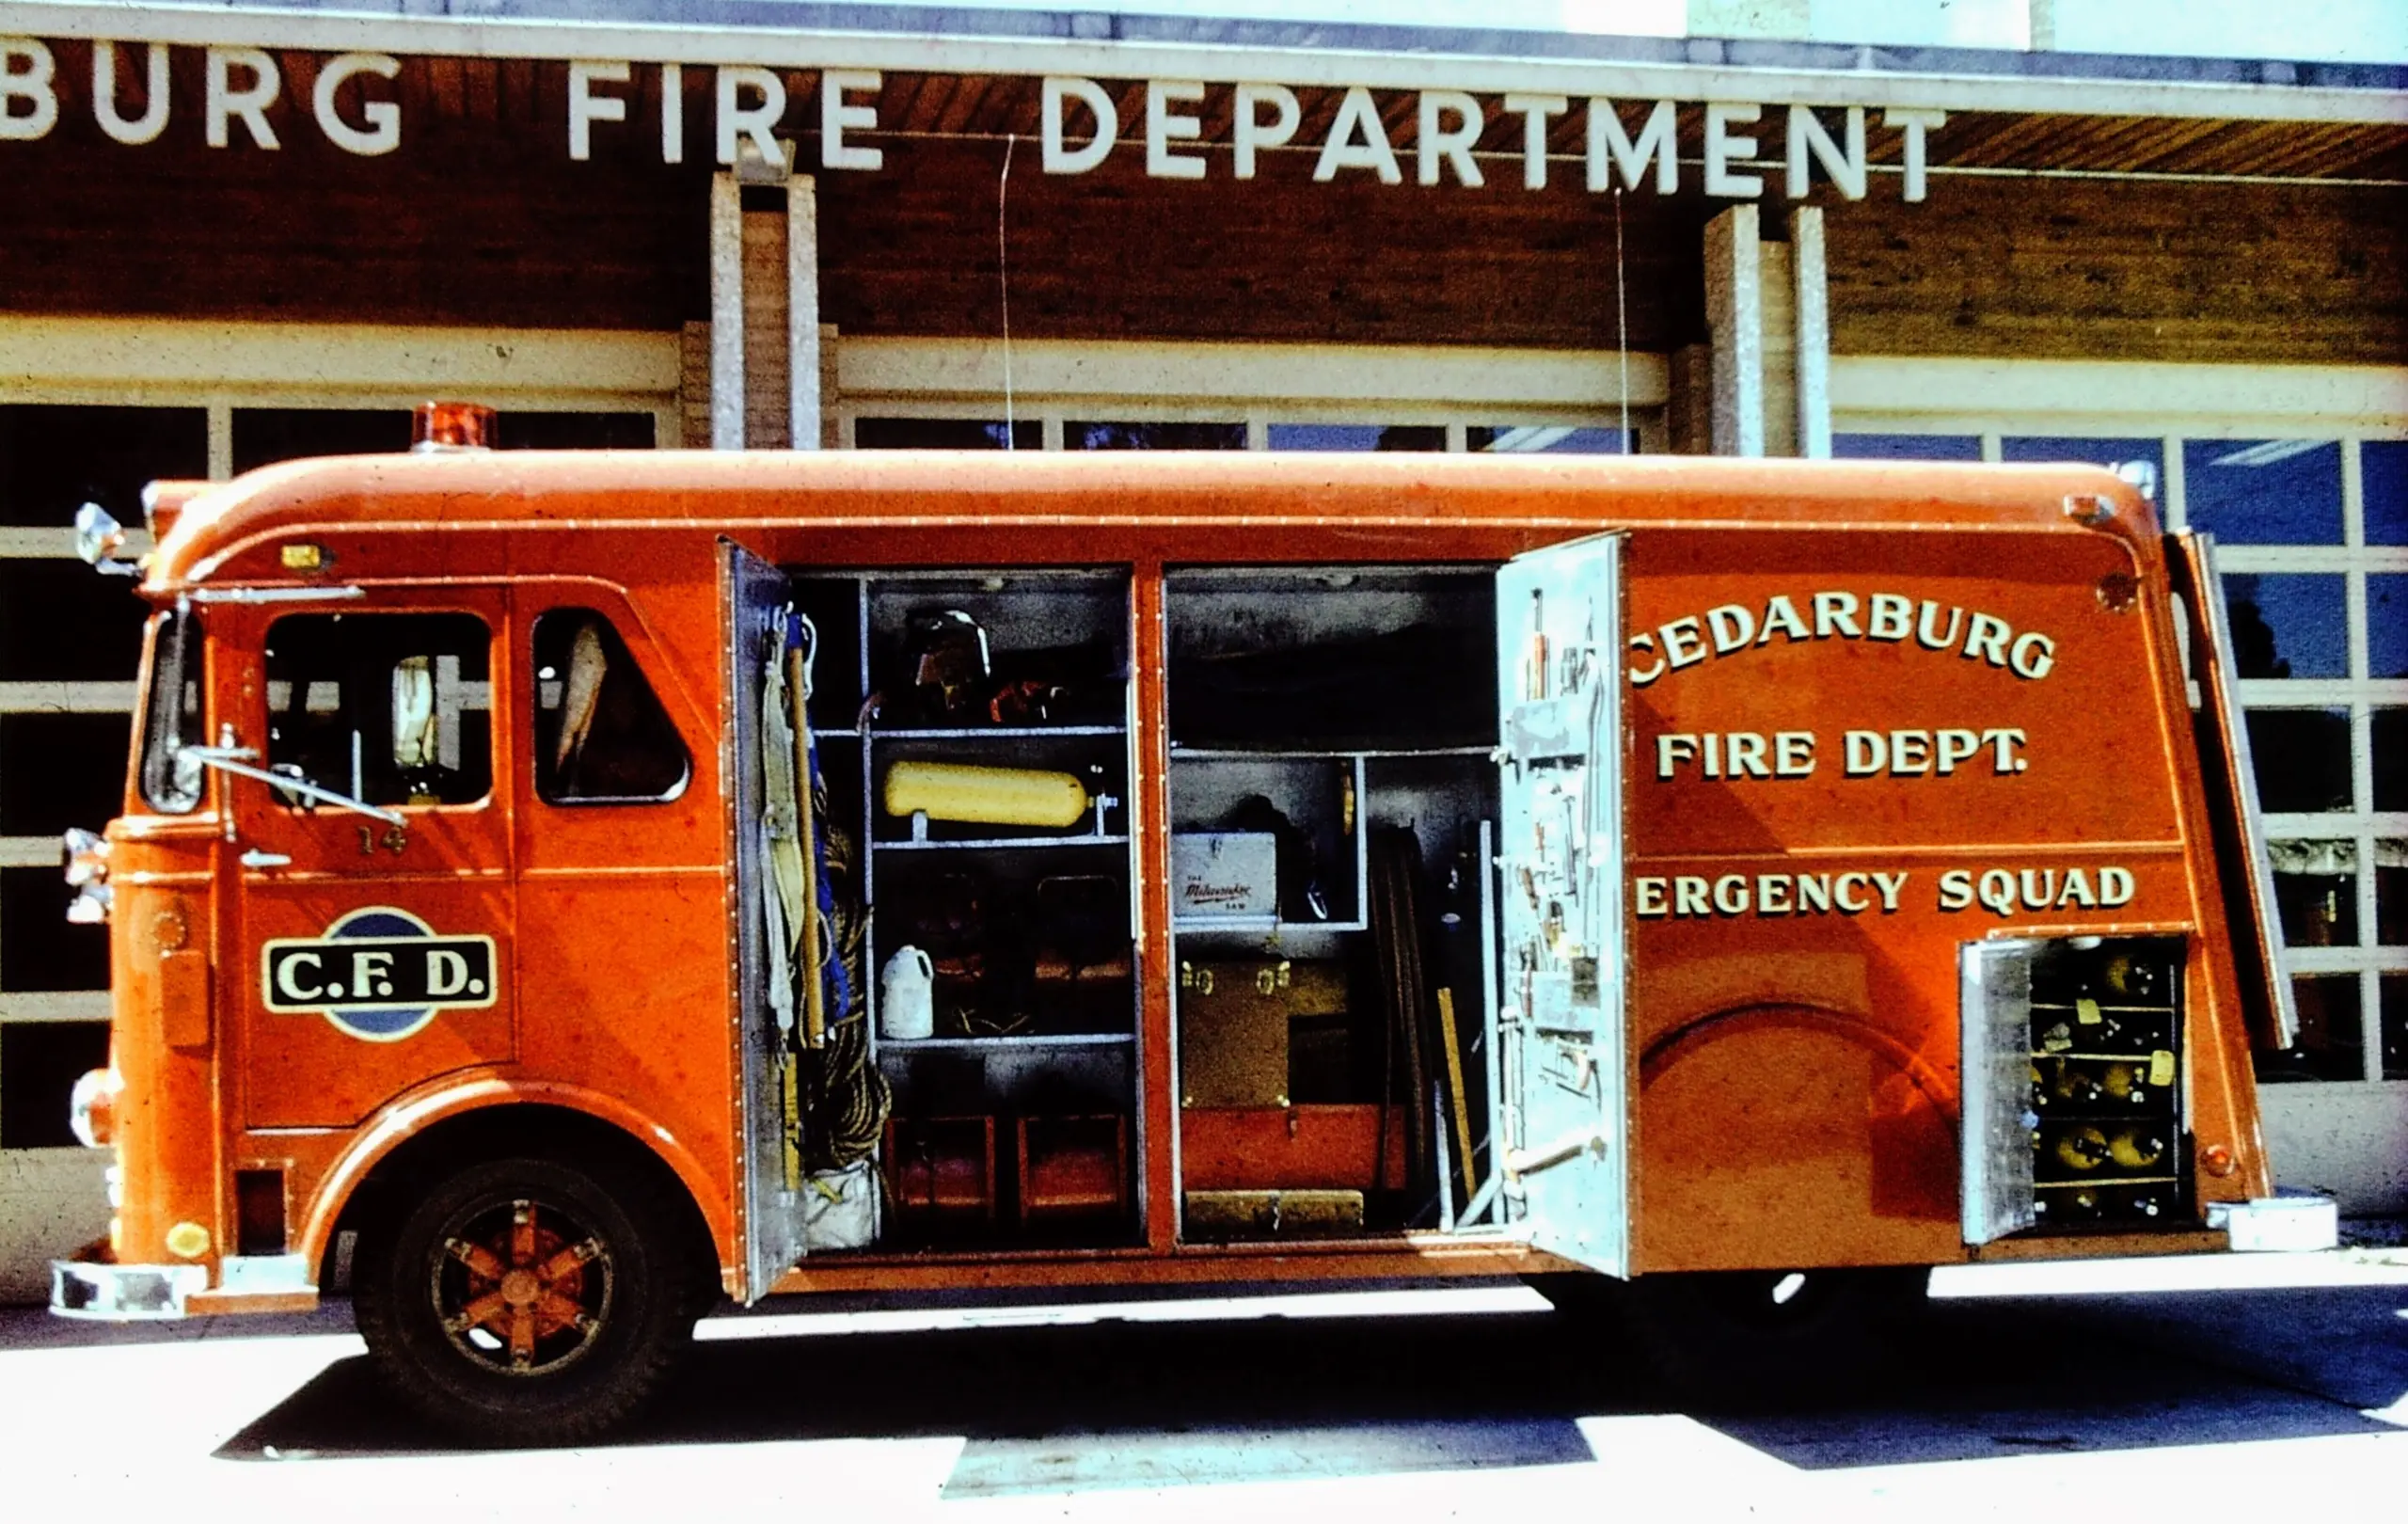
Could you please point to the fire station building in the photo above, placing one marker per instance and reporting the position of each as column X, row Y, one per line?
column 237, row 234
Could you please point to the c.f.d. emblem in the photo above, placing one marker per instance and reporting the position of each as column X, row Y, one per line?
column 379, row 974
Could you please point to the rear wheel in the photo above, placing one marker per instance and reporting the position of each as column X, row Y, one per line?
column 528, row 1301
column 1757, row 1337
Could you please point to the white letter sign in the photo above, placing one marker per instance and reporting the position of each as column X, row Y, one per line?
column 585, row 108
column 383, row 133
column 1452, row 144
column 835, row 116
column 1248, row 130
column 154, row 120
column 1806, row 135
column 1608, row 140
column 1721, row 147
column 1065, row 160
column 757, row 122
column 1358, row 116
column 1535, row 109
column 1162, row 125
column 27, row 69
column 222, row 102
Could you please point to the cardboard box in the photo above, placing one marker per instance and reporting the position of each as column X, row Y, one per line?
column 1220, row 874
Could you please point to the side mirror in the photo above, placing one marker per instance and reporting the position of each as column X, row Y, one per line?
column 99, row 537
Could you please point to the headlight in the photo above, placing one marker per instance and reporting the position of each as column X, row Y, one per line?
column 91, row 1109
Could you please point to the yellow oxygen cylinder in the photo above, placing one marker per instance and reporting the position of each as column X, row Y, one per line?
column 985, row 795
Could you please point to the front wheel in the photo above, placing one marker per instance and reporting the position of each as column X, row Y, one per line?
column 526, row 1301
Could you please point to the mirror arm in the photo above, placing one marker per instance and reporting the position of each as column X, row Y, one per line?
column 238, row 759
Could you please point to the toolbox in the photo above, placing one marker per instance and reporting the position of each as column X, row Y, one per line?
column 1222, row 874
column 1233, row 1021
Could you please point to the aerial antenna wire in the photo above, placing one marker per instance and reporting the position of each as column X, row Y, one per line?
column 1622, row 323
column 1003, row 277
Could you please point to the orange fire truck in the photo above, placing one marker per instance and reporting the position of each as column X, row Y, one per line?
column 554, row 891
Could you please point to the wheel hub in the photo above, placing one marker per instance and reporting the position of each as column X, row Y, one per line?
column 522, row 1288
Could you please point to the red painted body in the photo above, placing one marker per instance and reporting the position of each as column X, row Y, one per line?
column 1797, row 1071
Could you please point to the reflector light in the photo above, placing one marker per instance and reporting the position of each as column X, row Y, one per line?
column 451, row 425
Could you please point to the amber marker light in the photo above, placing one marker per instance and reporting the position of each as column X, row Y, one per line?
column 2216, row 1160
column 451, row 425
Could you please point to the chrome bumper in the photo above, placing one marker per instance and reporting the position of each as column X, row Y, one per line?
column 123, row 1293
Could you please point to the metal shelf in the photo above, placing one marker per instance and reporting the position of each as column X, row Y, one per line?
column 999, row 844
column 1258, row 926
column 1274, row 753
column 1008, row 1039
column 994, row 732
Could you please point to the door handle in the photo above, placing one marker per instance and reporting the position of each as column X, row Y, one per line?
column 257, row 859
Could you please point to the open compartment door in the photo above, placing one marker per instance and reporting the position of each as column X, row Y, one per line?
column 756, row 766
column 1564, row 958
column 1994, row 1005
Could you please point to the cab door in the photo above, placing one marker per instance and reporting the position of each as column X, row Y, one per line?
column 757, row 601
column 372, row 938
column 1565, row 963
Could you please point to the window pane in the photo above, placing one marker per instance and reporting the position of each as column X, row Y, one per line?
column 1358, row 437
column 2387, row 627
column 55, row 459
column 2264, row 492
column 390, row 708
column 600, row 733
column 944, row 434
column 2395, row 1026
column 2390, row 737
column 39, row 1063
column 2391, row 892
column 2303, row 759
column 2140, row 460
column 2316, row 887
column 1548, row 439
column 2383, row 475
column 62, row 621
column 39, row 949
column 1906, row 446
column 2289, row 626
column 574, row 431
column 1153, row 437
column 58, row 771
column 2331, row 1044
column 263, row 435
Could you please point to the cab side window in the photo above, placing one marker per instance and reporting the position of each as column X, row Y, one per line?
column 387, row 708
column 601, row 736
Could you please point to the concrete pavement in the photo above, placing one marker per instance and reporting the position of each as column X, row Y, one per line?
column 2243, row 1387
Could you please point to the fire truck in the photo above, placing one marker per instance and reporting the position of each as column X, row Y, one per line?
column 554, row 891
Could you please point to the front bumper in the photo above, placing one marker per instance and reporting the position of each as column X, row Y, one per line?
column 123, row 1293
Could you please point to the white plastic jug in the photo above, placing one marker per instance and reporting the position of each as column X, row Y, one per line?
column 907, row 1006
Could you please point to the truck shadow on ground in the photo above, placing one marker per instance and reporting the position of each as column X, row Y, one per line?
column 1115, row 1403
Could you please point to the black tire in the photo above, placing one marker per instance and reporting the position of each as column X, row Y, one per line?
column 1740, row 1340
column 601, row 1309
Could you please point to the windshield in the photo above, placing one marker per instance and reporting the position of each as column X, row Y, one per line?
column 171, row 715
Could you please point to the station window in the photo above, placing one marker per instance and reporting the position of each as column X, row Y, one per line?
column 1906, row 446
column 40, row 950
column 2302, row 757
column 39, row 1063
column 48, row 781
column 946, row 433
column 1358, row 437
column 601, row 736
column 2383, row 479
column 263, row 435
column 2289, row 625
column 2316, row 888
column 1546, row 439
column 2264, row 491
column 387, row 708
column 1173, row 435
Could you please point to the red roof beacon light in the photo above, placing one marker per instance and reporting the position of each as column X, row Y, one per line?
column 451, row 425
